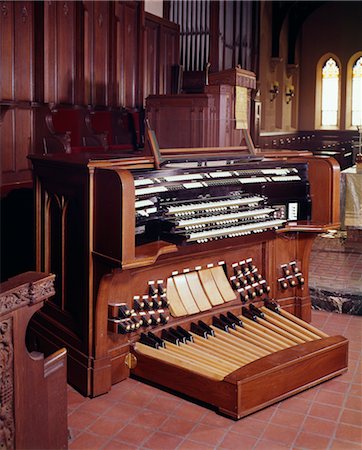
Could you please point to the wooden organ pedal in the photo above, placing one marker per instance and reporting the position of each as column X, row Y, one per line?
column 237, row 357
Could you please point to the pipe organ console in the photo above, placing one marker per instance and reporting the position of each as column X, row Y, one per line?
column 193, row 276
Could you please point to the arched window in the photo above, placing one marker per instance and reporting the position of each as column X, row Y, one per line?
column 330, row 93
column 357, row 93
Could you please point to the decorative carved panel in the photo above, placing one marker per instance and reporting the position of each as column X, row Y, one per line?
column 7, row 424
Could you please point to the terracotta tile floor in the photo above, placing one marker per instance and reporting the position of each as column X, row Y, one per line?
column 137, row 416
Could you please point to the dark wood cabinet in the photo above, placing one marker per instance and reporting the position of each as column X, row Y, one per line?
column 206, row 119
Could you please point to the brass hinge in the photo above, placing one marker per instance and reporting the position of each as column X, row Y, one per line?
column 130, row 361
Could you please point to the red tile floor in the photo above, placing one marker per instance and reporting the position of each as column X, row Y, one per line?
column 137, row 416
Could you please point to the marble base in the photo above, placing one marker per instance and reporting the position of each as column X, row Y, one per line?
column 337, row 302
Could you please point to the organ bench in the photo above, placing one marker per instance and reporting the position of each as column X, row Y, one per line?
column 148, row 260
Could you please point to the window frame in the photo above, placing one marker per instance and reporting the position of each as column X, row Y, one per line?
column 351, row 62
column 318, row 106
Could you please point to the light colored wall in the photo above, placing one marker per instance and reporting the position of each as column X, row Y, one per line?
column 154, row 7
column 333, row 28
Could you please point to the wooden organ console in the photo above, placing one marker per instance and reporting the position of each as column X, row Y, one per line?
column 193, row 275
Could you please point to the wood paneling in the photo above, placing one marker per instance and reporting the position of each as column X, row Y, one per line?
column 7, row 45
column 161, row 53
column 97, row 50
column 23, row 61
column 170, row 56
column 88, row 53
column 6, row 141
column 16, row 89
column 60, row 51
column 151, row 83
column 127, row 60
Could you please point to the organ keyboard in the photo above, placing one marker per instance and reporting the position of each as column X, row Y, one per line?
column 148, row 260
column 203, row 204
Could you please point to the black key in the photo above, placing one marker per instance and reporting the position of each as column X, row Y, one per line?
column 198, row 330
column 227, row 321
column 235, row 319
column 177, row 335
column 272, row 306
column 147, row 340
column 220, row 324
column 169, row 337
column 185, row 333
column 160, row 342
column 247, row 313
column 206, row 327
column 256, row 311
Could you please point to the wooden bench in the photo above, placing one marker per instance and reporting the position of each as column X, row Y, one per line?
column 33, row 389
column 68, row 130
column 123, row 129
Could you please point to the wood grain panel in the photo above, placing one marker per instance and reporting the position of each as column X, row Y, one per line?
column 23, row 69
column 151, row 81
column 23, row 127
column 130, row 44
column 7, row 143
column 59, row 51
column 65, row 51
column 126, row 53
column 100, row 59
column 161, row 53
column 170, row 57
column 7, row 45
column 50, row 67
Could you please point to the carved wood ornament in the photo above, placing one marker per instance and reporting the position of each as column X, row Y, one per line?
column 11, row 300
column 7, row 425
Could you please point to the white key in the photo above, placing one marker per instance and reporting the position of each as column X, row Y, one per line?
column 212, row 204
column 151, row 190
column 226, row 217
column 228, row 231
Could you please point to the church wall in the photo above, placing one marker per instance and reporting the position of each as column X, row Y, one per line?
column 334, row 28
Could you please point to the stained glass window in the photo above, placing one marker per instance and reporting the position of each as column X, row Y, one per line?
column 330, row 93
column 357, row 93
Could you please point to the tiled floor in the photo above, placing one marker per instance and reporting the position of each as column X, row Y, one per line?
column 135, row 415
